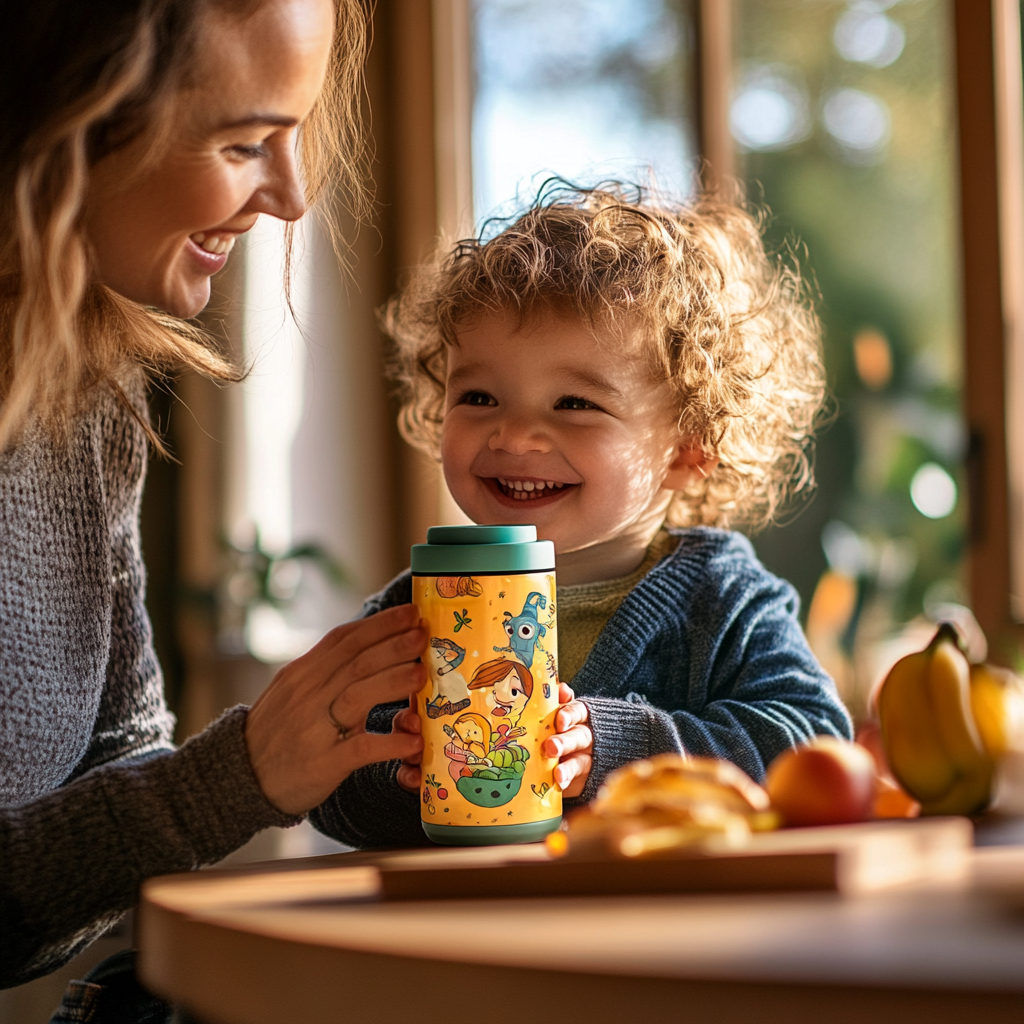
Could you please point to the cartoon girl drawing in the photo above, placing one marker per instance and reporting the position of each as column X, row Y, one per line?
column 509, row 685
column 470, row 736
column 450, row 692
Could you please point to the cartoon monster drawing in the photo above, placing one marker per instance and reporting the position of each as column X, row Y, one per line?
column 524, row 630
column 509, row 686
column 458, row 586
column 450, row 691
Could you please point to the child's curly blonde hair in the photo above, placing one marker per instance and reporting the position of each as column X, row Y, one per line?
column 731, row 329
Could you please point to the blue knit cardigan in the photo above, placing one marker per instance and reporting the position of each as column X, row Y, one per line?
column 704, row 655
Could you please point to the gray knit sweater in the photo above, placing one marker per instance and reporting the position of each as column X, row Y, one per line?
column 93, row 797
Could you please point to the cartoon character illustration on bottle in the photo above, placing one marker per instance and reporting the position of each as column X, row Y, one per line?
column 509, row 688
column 487, row 767
column 450, row 690
column 525, row 630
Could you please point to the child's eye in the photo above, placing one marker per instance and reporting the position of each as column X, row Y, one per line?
column 477, row 398
column 574, row 402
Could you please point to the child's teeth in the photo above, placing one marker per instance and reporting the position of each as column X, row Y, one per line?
column 518, row 485
column 527, row 485
column 550, row 484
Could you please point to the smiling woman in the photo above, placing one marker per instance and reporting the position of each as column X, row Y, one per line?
column 153, row 146
column 138, row 140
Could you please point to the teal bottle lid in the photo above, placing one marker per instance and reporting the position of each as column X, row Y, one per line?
column 482, row 550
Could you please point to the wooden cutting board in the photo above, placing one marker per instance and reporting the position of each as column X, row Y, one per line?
column 844, row 858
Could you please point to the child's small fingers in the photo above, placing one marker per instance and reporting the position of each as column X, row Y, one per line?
column 582, row 764
column 571, row 774
column 409, row 778
column 579, row 738
column 565, row 693
column 407, row 720
column 570, row 715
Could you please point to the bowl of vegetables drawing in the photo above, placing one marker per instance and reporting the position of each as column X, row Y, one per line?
column 490, row 775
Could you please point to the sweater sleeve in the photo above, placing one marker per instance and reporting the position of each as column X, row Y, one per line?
column 370, row 809
column 73, row 860
column 729, row 676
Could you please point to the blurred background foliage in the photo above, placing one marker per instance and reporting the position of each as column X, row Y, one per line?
column 842, row 114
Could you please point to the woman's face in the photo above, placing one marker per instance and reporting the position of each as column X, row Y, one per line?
column 158, row 234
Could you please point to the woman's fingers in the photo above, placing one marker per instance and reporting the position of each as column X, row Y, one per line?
column 571, row 774
column 391, row 650
column 579, row 738
column 352, row 701
column 369, row 747
column 356, row 636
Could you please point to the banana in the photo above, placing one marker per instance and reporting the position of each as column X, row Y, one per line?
column 997, row 702
column 949, row 687
column 909, row 732
column 933, row 744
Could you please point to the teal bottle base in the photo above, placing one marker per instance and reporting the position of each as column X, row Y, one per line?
column 490, row 835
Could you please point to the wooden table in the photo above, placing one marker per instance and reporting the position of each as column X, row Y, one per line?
column 310, row 942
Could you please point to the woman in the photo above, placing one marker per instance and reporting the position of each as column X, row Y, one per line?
column 138, row 140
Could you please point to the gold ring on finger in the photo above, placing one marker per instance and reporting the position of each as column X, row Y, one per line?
column 342, row 730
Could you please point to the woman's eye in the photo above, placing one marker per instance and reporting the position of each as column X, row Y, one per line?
column 573, row 402
column 478, row 398
column 249, row 152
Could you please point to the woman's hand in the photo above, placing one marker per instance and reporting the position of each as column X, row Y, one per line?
column 299, row 755
column 573, row 743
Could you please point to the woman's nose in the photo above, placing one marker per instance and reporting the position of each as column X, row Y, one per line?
column 282, row 195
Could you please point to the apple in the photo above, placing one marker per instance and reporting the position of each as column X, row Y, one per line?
column 827, row 781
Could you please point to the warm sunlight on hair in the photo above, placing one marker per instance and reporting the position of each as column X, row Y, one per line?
column 731, row 328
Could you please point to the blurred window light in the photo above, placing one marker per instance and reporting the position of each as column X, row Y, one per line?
column 873, row 358
column 769, row 111
column 857, row 120
column 585, row 89
column 864, row 35
column 933, row 491
column 846, row 551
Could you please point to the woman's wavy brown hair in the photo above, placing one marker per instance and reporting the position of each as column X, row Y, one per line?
column 81, row 80
column 730, row 328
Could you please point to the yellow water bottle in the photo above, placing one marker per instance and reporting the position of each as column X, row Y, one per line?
column 488, row 594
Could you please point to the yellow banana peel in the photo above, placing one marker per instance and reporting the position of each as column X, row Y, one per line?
column 933, row 744
column 997, row 703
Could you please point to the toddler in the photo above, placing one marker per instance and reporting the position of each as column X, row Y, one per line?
column 636, row 378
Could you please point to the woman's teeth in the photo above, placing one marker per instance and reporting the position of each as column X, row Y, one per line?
column 218, row 245
column 528, row 490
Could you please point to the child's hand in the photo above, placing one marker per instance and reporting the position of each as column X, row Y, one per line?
column 573, row 745
column 407, row 722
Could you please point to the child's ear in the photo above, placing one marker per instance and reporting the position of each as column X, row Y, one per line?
column 690, row 462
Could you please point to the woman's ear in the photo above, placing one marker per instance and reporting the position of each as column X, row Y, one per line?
column 689, row 463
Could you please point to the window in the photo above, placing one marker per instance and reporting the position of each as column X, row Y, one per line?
column 840, row 117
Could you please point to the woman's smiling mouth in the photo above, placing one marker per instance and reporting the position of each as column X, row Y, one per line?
column 519, row 491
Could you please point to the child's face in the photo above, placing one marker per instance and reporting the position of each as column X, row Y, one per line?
column 552, row 405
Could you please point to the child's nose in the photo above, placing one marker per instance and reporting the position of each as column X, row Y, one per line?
column 519, row 436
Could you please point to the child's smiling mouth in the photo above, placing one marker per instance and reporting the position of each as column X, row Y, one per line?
column 518, row 491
